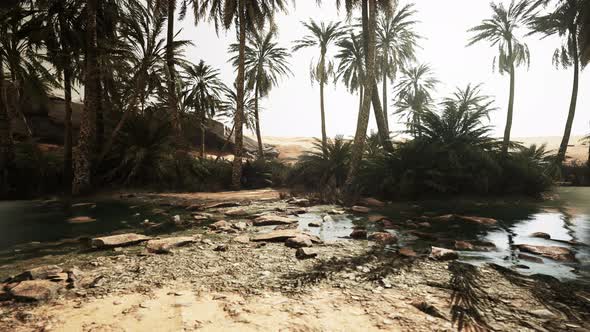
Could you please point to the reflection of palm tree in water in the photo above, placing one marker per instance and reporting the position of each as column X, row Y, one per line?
column 513, row 255
column 568, row 222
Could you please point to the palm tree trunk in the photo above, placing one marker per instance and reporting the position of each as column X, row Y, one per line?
column 227, row 140
column 361, row 90
column 203, row 128
column 172, row 98
column 382, row 129
column 6, row 143
column 236, row 178
column 363, row 118
column 258, row 135
column 385, row 114
column 322, row 107
column 572, row 110
column 68, row 130
column 99, row 107
column 83, row 158
column 508, row 128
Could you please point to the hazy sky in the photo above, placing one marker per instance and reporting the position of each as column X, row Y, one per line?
column 292, row 109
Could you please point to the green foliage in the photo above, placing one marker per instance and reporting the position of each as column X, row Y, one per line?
column 264, row 173
column 35, row 172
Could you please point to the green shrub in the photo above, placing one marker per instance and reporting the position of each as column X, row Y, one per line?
column 35, row 172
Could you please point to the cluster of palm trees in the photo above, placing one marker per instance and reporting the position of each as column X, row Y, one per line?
column 127, row 57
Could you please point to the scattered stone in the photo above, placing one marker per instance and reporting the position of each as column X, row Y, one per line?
column 35, row 290
column 267, row 220
column 423, row 235
column 360, row 209
column 299, row 241
column 297, row 211
column 41, row 272
column 299, row 201
column 327, row 218
column 4, row 295
column 470, row 219
column 118, row 240
column 383, row 238
column 220, row 225
column 424, row 224
column 521, row 266
column 242, row 239
column 314, row 224
column 305, row 253
column 388, row 224
column 176, row 219
column 530, row 258
column 161, row 246
column 372, row 202
column 201, row 216
column 288, row 226
column 77, row 205
column 240, row 226
column 541, row 235
column 81, row 220
column 375, row 218
column 474, row 245
column 553, row 252
column 359, row 234
column 443, row 254
column 217, row 205
column 221, row 247
column 238, row 212
column 407, row 252
column 428, row 308
column 281, row 236
column 336, row 211
column 543, row 313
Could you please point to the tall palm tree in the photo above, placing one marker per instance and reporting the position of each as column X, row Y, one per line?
column 6, row 143
column 266, row 62
column 63, row 48
column 351, row 57
column 501, row 31
column 469, row 100
column 585, row 33
column 396, row 44
column 203, row 93
column 322, row 36
column 83, row 158
column 414, row 95
column 564, row 21
column 249, row 15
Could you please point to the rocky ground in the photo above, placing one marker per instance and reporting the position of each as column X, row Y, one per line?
column 230, row 277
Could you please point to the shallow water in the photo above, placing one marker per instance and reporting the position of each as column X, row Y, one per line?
column 35, row 230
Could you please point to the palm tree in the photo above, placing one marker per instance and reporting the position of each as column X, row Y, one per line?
column 322, row 36
column 563, row 21
column 250, row 16
column 397, row 43
column 585, row 33
column 6, row 143
column 83, row 157
column 351, row 65
column 470, row 100
column 203, row 93
column 266, row 62
column 63, row 47
column 501, row 31
column 414, row 96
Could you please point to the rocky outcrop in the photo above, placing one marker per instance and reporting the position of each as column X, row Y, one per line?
column 556, row 253
column 299, row 241
column 42, row 272
column 443, row 254
column 34, row 290
column 474, row 245
column 407, row 252
column 282, row 235
column 120, row 240
column 360, row 209
column 306, row 253
column 383, row 238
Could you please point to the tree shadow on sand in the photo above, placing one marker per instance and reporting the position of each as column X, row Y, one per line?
column 468, row 299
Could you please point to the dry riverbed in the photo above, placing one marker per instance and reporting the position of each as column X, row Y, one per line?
column 221, row 279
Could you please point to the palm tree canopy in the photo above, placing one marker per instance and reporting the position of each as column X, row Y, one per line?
column 414, row 93
column 224, row 13
column 470, row 100
column 265, row 61
column 502, row 31
column 229, row 106
column 564, row 20
column 203, row 89
column 322, row 36
column 396, row 40
column 351, row 57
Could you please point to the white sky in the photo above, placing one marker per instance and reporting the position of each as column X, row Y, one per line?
column 292, row 109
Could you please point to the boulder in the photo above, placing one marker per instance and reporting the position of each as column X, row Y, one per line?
column 359, row 234
column 372, row 202
column 360, row 209
column 237, row 212
column 281, row 236
column 299, row 241
column 407, row 252
column 553, row 252
column 165, row 245
column 375, row 218
column 541, row 235
column 383, row 238
column 299, row 201
column 41, row 272
column 306, row 253
column 530, row 258
column 35, row 290
column 474, row 245
column 118, row 240
column 81, row 220
column 442, row 254
column 314, row 224
column 242, row 239
column 267, row 220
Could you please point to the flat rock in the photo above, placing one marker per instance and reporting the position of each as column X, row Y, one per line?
column 41, row 272
column 530, row 258
column 35, row 290
column 359, row 234
column 119, row 240
column 360, row 209
column 299, row 201
column 299, row 241
column 383, row 238
column 220, row 225
column 166, row 244
column 553, row 252
column 314, row 224
column 375, row 218
column 242, row 239
column 407, row 252
column 267, row 220
column 238, row 212
column 474, row 245
column 201, row 216
column 372, row 202
column 306, row 253
column 469, row 219
column 423, row 235
column 217, row 205
column 282, row 235
column 541, row 235
column 443, row 254
column 81, row 220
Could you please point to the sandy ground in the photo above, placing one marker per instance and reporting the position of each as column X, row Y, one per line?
column 291, row 148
